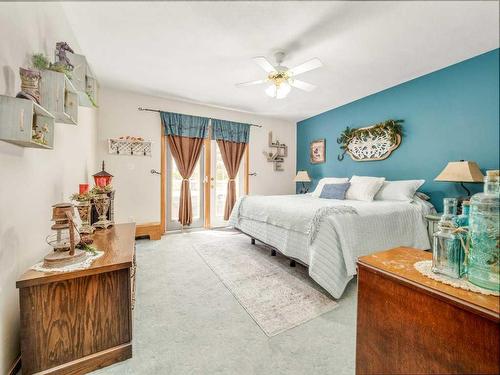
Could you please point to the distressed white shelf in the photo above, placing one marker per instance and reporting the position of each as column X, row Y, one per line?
column 25, row 123
column 84, row 80
column 127, row 147
column 59, row 97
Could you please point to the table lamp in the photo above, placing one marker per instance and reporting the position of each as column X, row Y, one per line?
column 461, row 171
column 302, row 176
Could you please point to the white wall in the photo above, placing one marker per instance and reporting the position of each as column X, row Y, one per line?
column 137, row 190
column 31, row 180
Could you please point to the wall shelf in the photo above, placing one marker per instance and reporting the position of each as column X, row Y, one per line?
column 59, row 96
column 21, row 120
column 127, row 147
column 83, row 80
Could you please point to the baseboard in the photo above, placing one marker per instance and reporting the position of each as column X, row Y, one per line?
column 153, row 230
column 92, row 362
column 16, row 366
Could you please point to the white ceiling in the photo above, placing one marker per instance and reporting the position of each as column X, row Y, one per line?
column 198, row 51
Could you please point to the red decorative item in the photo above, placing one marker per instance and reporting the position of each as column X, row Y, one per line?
column 102, row 178
column 84, row 188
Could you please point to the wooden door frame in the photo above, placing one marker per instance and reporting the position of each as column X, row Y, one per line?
column 206, row 185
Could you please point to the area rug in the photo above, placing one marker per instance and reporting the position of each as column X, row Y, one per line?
column 278, row 297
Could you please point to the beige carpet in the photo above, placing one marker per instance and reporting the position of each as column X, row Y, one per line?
column 275, row 295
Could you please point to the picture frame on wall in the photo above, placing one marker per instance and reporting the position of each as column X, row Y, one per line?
column 317, row 150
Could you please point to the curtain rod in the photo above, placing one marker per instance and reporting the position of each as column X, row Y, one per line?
column 157, row 110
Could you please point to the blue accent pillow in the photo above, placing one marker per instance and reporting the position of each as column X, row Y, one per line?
column 335, row 191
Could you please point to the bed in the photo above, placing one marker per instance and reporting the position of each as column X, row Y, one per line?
column 328, row 235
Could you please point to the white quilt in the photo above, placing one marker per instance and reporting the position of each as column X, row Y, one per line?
column 341, row 238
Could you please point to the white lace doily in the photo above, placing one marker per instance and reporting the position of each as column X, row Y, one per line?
column 424, row 267
column 85, row 263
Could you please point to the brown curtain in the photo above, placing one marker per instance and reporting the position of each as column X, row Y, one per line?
column 232, row 153
column 186, row 152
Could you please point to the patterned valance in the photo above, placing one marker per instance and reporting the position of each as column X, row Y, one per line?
column 184, row 125
column 230, row 131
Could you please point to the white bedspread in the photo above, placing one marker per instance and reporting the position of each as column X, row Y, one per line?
column 341, row 238
column 295, row 212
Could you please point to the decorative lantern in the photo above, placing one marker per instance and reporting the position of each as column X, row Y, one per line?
column 102, row 178
column 65, row 239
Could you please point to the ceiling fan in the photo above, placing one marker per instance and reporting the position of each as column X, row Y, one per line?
column 282, row 78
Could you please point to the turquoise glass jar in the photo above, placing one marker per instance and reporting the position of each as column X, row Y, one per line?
column 448, row 255
column 484, row 252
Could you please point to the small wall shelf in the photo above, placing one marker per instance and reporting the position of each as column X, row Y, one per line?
column 127, row 147
column 84, row 80
column 25, row 123
column 59, row 96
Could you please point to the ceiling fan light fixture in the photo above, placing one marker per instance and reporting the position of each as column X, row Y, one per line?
column 279, row 91
column 283, row 90
column 271, row 91
column 281, row 77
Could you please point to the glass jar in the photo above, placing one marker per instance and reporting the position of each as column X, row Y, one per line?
column 462, row 220
column 448, row 256
column 484, row 252
column 450, row 209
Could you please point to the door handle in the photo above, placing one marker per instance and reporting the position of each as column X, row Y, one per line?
column 154, row 171
column 253, row 174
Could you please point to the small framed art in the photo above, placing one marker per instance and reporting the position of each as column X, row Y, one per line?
column 317, row 151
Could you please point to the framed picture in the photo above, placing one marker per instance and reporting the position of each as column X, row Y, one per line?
column 317, row 151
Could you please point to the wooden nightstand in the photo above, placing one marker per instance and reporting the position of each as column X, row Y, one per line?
column 432, row 225
column 408, row 323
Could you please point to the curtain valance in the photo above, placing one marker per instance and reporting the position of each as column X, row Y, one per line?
column 184, row 125
column 230, row 131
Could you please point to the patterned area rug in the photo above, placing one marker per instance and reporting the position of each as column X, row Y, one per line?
column 277, row 296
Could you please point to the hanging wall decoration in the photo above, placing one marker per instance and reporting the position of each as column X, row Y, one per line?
column 317, row 151
column 278, row 156
column 371, row 143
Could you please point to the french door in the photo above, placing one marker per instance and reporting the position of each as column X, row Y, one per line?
column 208, row 185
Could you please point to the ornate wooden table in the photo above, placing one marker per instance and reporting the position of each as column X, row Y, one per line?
column 410, row 324
column 79, row 321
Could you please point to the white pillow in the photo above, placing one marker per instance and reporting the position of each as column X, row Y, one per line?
column 327, row 180
column 403, row 190
column 364, row 188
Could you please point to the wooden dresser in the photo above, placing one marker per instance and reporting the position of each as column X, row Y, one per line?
column 410, row 324
column 76, row 322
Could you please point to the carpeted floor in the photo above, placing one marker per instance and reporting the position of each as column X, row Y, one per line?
column 187, row 322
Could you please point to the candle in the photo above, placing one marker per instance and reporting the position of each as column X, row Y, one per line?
column 84, row 188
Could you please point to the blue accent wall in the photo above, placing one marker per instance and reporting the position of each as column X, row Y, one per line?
column 450, row 114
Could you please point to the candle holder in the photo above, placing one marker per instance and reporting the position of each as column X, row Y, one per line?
column 84, row 208
column 101, row 203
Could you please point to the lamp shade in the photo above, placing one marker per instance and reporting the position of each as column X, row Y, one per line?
column 302, row 176
column 461, row 171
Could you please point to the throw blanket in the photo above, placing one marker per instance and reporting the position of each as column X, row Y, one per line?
column 293, row 212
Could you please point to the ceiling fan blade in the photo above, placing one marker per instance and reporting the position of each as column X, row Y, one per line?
column 251, row 83
column 305, row 67
column 302, row 85
column 264, row 64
